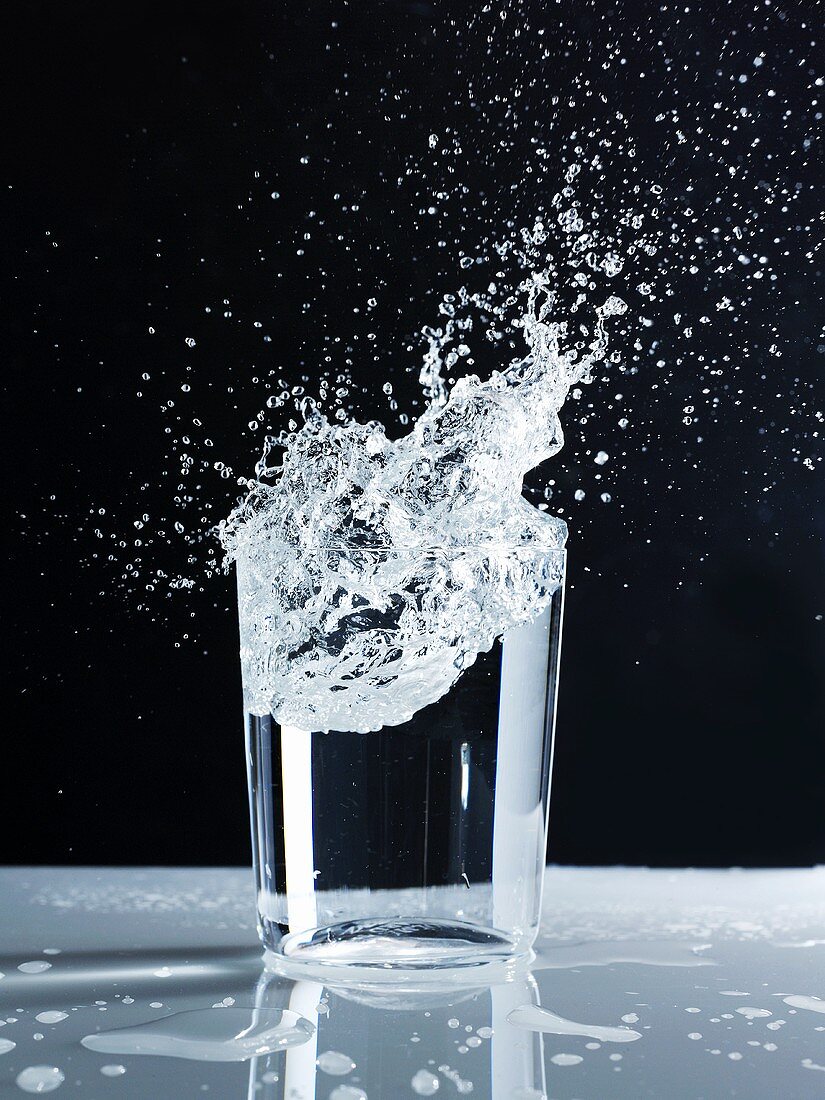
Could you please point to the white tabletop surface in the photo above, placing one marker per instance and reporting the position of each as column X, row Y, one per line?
column 708, row 983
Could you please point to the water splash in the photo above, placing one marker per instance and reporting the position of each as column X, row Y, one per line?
column 372, row 572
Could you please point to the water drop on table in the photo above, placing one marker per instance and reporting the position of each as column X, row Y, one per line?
column 208, row 1035
column 813, row 1004
column 566, row 1059
column 335, row 1063
column 347, row 1092
column 39, row 1079
column 113, row 1070
column 532, row 1018
column 425, row 1083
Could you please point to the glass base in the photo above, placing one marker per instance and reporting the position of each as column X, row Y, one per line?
column 398, row 944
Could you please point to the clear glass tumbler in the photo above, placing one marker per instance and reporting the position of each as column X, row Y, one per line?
column 419, row 844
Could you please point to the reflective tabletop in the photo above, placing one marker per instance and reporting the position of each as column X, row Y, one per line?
column 150, row 983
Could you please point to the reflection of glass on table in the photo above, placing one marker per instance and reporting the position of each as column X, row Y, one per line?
column 358, row 1020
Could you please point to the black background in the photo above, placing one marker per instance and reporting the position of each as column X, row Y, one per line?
column 691, row 724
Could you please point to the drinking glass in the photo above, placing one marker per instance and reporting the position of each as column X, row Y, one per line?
column 420, row 844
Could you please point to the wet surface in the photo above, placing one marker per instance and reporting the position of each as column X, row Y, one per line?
column 645, row 983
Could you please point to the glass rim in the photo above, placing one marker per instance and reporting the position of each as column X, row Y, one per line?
column 457, row 548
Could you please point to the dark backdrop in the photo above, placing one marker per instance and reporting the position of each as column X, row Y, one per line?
column 146, row 143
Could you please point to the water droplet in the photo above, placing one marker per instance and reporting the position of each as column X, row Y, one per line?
column 335, row 1063
column 40, row 1079
column 566, row 1059
column 425, row 1083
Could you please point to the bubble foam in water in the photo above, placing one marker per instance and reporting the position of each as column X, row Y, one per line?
column 372, row 572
